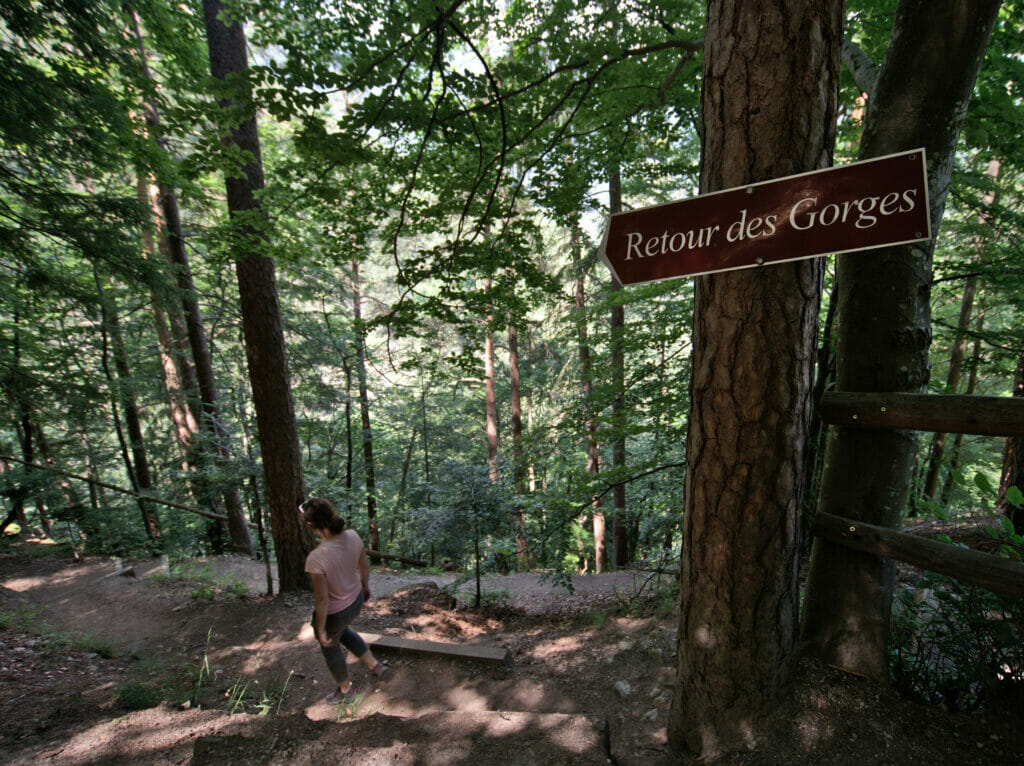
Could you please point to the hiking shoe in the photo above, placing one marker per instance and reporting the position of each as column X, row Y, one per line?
column 338, row 698
column 380, row 670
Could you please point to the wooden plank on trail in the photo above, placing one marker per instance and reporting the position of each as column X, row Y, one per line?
column 463, row 651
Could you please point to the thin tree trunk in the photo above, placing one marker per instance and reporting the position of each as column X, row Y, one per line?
column 257, row 504
column 920, row 99
column 587, row 386
column 349, row 446
column 403, row 485
column 23, row 427
column 937, row 449
column 956, row 358
column 517, row 442
column 261, row 310
column 425, row 428
column 174, row 247
column 137, row 466
column 972, row 386
column 490, row 399
column 364, row 412
column 769, row 103
column 16, row 496
column 617, row 328
column 183, row 419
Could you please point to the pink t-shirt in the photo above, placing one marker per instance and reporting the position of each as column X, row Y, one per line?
column 337, row 558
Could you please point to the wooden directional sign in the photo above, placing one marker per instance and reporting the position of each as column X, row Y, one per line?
column 859, row 206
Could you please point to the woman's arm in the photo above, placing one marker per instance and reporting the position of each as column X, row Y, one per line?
column 320, row 607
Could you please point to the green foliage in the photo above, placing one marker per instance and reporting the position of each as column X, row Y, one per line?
column 135, row 695
column 203, row 673
column 437, row 148
column 958, row 644
column 208, row 586
column 598, row 617
column 21, row 618
column 27, row 619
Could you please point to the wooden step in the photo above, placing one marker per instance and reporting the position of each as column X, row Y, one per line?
column 440, row 648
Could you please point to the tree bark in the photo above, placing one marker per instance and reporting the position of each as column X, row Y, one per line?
column 920, row 100
column 261, row 311
column 769, row 102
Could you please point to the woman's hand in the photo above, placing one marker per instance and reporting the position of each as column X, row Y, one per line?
column 325, row 642
column 366, row 593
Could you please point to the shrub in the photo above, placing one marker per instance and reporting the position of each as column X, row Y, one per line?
column 958, row 644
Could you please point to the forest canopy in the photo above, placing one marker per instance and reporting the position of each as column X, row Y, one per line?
column 468, row 383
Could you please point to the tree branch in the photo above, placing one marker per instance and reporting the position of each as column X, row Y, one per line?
column 863, row 69
column 115, row 488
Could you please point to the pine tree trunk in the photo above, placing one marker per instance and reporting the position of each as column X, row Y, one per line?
column 770, row 93
column 261, row 314
column 920, row 100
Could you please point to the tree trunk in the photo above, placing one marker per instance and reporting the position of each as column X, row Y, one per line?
column 972, row 386
column 956, row 357
column 490, row 399
column 261, row 312
column 519, row 466
column 364, row 411
column 587, row 386
column 770, row 93
column 183, row 419
column 920, row 99
column 174, row 246
column 122, row 396
column 617, row 326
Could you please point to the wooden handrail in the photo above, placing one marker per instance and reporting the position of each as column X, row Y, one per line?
column 954, row 414
column 997, row 574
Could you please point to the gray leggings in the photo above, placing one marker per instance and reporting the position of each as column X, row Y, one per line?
column 338, row 623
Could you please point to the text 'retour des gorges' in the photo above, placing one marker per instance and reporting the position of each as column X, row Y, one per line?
column 852, row 207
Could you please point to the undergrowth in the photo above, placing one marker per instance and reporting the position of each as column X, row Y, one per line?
column 207, row 585
column 957, row 644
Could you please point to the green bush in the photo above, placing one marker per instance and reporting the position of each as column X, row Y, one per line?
column 957, row 644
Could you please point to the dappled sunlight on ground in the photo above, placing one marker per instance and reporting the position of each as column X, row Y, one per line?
column 567, row 664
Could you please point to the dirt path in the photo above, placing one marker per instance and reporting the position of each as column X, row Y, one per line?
column 585, row 686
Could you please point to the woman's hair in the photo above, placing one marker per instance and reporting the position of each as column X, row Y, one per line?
column 321, row 515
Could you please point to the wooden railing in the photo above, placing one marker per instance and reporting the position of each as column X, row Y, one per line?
column 984, row 415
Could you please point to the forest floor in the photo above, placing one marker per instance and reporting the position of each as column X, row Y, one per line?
column 95, row 668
